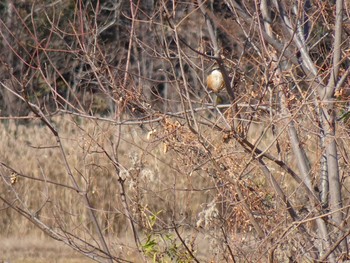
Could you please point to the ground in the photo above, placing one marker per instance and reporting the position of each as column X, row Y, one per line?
column 38, row 250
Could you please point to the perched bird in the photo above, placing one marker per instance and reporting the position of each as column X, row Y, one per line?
column 215, row 80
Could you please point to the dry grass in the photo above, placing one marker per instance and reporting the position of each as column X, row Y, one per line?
column 30, row 150
column 166, row 173
column 154, row 182
column 36, row 249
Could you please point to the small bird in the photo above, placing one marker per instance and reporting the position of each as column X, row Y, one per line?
column 215, row 80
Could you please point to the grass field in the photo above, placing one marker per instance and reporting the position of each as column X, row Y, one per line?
column 33, row 249
column 176, row 184
column 151, row 177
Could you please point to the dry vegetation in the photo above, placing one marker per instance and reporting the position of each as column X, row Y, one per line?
column 155, row 184
column 37, row 249
column 114, row 145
